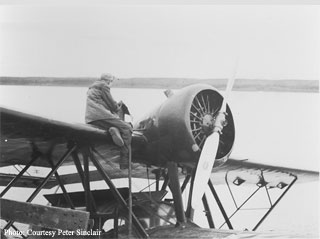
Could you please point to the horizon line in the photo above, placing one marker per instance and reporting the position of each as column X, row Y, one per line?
column 241, row 84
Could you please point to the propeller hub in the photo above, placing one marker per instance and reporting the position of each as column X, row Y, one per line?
column 207, row 124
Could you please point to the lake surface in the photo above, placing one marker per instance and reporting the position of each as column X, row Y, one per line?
column 271, row 127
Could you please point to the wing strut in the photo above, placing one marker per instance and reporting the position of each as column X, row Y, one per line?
column 83, row 180
column 261, row 184
column 176, row 193
column 117, row 195
column 216, row 197
column 65, row 193
column 207, row 211
column 13, row 181
column 130, row 191
column 39, row 188
column 275, row 204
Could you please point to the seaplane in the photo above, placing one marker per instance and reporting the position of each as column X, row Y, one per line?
column 183, row 146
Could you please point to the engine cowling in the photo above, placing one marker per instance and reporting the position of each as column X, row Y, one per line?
column 177, row 129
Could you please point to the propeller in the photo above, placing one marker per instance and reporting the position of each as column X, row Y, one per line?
column 209, row 151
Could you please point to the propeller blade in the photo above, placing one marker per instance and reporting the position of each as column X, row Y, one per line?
column 204, row 168
column 210, row 148
column 229, row 87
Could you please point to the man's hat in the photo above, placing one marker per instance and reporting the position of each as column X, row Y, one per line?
column 108, row 76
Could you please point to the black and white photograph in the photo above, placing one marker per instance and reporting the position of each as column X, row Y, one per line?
column 159, row 119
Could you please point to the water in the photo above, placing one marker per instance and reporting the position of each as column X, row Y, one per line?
column 273, row 128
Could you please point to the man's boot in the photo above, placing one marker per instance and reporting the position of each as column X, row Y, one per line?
column 116, row 136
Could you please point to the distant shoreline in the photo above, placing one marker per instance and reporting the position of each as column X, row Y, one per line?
column 311, row 86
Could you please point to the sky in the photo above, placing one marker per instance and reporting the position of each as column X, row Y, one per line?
column 159, row 40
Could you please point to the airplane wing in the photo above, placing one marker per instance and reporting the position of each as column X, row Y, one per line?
column 250, row 172
column 24, row 135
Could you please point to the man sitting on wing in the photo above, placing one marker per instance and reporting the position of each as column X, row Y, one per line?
column 102, row 111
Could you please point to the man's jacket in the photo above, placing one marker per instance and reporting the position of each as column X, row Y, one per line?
column 100, row 104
